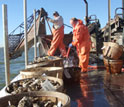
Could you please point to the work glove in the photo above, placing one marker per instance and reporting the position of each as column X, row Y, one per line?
column 48, row 18
column 46, row 15
column 70, row 45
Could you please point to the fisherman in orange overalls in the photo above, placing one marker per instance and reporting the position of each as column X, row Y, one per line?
column 58, row 35
column 81, row 39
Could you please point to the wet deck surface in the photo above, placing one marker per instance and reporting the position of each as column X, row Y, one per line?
column 97, row 89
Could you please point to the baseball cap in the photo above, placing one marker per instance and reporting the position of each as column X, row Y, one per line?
column 55, row 13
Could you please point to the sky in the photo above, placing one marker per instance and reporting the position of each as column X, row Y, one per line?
column 66, row 8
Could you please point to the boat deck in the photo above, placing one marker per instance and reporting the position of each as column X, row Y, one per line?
column 97, row 89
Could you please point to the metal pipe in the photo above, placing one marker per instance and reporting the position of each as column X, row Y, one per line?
column 123, row 7
column 86, row 11
column 86, row 7
column 6, row 52
column 68, row 26
column 49, row 26
column 123, row 18
column 109, row 19
column 25, row 32
column 35, row 39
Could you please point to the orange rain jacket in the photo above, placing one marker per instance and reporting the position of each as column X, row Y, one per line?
column 57, row 42
column 81, row 39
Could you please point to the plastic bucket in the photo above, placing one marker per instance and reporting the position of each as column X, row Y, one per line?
column 55, row 62
column 38, row 71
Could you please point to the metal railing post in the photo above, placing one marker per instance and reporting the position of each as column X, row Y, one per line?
column 123, row 9
column 35, row 39
column 25, row 33
column 6, row 52
column 123, row 19
column 109, row 19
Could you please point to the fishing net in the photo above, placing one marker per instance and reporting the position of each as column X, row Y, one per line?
column 14, row 40
column 17, row 35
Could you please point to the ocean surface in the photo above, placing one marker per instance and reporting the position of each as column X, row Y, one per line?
column 15, row 65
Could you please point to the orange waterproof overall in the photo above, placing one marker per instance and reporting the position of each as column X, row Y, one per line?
column 57, row 42
column 81, row 40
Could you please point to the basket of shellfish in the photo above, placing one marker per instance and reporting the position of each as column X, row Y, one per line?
column 113, row 66
column 36, row 99
column 47, row 61
column 112, row 50
column 39, row 71
column 44, row 83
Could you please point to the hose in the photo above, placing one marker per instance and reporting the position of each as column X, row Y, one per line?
column 68, row 52
column 91, row 67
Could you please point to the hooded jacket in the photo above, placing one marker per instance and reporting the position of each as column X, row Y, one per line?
column 81, row 34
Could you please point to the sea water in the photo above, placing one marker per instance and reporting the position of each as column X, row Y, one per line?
column 15, row 65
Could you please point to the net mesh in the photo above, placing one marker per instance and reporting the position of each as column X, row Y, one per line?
column 17, row 35
column 14, row 40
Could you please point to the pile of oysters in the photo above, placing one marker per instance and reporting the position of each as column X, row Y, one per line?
column 35, row 102
column 32, row 84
